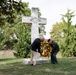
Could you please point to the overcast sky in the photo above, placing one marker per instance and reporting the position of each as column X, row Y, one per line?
column 51, row 10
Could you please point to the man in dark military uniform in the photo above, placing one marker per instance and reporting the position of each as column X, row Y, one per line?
column 35, row 47
column 55, row 50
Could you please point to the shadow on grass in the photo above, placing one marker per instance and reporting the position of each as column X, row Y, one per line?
column 6, row 59
column 66, row 66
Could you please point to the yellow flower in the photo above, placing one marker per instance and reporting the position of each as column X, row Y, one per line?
column 45, row 49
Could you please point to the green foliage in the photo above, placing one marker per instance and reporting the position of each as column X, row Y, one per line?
column 9, row 9
column 1, row 38
column 69, row 38
column 22, row 47
column 14, row 34
column 65, row 34
column 42, row 31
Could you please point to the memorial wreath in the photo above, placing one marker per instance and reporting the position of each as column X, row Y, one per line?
column 45, row 49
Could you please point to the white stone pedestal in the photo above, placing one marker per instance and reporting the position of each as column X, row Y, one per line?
column 39, row 61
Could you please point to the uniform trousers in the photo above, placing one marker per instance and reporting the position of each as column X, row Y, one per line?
column 33, row 57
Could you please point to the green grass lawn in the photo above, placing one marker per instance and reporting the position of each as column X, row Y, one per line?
column 14, row 66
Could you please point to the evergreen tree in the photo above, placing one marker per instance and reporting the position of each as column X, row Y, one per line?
column 65, row 34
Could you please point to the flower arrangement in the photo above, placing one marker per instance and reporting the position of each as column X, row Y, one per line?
column 45, row 49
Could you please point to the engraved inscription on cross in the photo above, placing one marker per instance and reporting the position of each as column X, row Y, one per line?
column 35, row 21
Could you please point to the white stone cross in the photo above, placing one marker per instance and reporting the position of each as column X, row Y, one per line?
column 35, row 21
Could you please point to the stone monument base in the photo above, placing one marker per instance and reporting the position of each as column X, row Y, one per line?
column 38, row 61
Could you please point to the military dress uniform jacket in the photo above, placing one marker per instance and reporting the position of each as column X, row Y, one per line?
column 35, row 46
column 55, row 46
